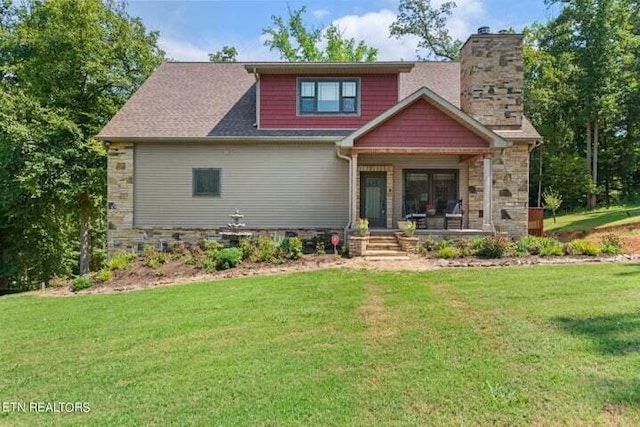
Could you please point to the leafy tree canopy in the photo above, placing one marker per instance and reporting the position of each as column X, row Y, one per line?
column 420, row 18
column 297, row 43
column 226, row 54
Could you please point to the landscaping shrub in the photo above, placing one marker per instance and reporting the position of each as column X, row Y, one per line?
column 154, row 258
column 475, row 244
column 611, row 244
column 121, row 260
column 248, row 247
column 228, row 258
column 551, row 247
column 530, row 245
column 463, row 246
column 494, row 247
column 291, row 248
column 210, row 245
column 208, row 264
column 585, row 247
column 448, row 252
column 104, row 275
column 58, row 282
column 267, row 250
column 179, row 250
column 428, row 245
column 80, row 283
column 320, row 248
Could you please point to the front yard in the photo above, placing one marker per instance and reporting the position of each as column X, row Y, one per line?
column 540, row 345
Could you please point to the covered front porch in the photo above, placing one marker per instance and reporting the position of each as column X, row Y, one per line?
column 441, row 190
column 423, row 160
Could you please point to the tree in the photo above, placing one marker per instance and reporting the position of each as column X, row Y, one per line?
column 296, row 43
column 552, row 201
column 226, row 54
column 77, row 63
column 420, row 18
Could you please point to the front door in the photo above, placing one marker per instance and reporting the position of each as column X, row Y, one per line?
column 373, row 198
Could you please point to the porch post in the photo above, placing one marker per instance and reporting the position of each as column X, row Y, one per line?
column 354, row 189
column 487, row 196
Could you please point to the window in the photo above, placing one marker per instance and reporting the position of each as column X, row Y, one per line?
column 429, row 189
column 328, row 96
column 206, row 182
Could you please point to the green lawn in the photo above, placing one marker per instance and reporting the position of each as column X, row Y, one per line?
column 545, row 345
column 598, row 218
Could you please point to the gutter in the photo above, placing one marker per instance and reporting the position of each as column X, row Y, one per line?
column 350, row 220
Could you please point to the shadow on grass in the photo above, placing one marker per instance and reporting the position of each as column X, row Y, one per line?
column 596, row 219
column 621, row 392
column 617, row 334
column 631, row 270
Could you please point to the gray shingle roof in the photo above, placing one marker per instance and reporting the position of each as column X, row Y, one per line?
column 205, row 99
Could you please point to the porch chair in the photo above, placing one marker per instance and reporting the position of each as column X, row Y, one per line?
column 454, row 213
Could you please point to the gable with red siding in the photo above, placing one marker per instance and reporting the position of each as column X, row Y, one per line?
column 421, row 125
column 279, row 103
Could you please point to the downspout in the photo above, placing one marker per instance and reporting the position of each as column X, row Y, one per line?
column 350, row 220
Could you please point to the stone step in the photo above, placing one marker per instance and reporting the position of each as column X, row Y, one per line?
column 387, row 258
column 384, row 246
column 382, row 239
column 383, row 253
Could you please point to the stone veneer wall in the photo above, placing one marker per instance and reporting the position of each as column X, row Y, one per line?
column 510, row 198
column 120, row 196
column 491, row 79
column 389, row 201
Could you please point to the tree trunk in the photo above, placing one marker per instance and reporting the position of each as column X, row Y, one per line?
column 594, row 169
column 591, row 202
column 84, row 234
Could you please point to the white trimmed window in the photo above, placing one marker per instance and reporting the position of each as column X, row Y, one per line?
column 328, row 96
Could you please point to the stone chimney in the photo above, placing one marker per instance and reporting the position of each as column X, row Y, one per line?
column 491, row 79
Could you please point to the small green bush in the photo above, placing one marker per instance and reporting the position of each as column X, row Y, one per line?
column 463, row 246
column 531, row 245
column 104, row 275
column 552, row 248
column 475, row 244
column 179, row 250
column 121, row 260
column 208, row 264
column 291, row 248
column 428, row 245
column 494, row 247
column 320, row 248
column 210, row 245
column 611, row 244
column 80, row 283
column 448, row 252
column 248, row 247
column 58, row 282
column 585, row 247
column 267, row 250
column 228, row 258
column 154, row 258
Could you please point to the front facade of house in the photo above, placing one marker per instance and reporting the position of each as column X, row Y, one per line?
column 310, row 147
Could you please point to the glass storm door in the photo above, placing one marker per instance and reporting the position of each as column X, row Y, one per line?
column 373, row 200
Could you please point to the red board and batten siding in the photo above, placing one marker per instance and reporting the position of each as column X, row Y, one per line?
column 278, row 103
column 421, row 125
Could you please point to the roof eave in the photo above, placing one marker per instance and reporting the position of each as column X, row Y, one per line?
column 234, row 138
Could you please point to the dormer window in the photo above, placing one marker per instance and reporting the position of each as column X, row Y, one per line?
column 328, row 96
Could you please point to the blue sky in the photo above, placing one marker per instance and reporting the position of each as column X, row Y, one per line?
column 190, row 29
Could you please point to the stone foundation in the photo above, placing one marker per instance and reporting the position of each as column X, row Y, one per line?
column 134, row 239
column 357, row 245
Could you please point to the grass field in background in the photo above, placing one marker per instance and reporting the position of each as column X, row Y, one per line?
column 545, row 345
column 594, row 219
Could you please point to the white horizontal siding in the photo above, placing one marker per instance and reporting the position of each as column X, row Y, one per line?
column 402, row 162
column 273, row 185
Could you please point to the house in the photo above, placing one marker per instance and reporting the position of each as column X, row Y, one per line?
column 309, row 147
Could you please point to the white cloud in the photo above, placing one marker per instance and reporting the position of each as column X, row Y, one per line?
column 373, row 28
column 319, row 13
column 182, row 50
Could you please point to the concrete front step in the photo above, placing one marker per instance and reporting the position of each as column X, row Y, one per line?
column 387, row 258
column 384, row 246
column 383, row 253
